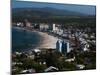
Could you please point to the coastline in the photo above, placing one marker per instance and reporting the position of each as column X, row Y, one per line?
column 47, row 41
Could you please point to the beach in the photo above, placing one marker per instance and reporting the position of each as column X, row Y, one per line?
column 48, row 41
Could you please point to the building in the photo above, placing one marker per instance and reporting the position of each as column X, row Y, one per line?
column 31, row 56
column 27, row 23
column 70, row 60
column 43, row 27
column 19, row 24
column 51, row 69
column 54, row 27
column 59, row 31
column 65, row 47
column 86, row 47
column 62, row 47
column 80, row 66
column 28, row 71
column 59, row 45
column 68, row 48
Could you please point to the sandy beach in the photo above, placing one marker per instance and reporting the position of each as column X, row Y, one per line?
column 48, row 41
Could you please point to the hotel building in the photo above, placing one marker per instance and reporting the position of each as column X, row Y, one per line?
column 62, row 47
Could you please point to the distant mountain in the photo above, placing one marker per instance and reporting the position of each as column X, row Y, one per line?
column 45, row 12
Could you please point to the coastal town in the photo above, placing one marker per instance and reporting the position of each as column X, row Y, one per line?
column 67, row 47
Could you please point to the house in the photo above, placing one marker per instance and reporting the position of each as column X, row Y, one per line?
column 16, row 63
column 18, row 53
column 80, row 66
column 51, row 69
column 37, row 50
column 31, row 56
column 28, row 71
column 70, row 60
column 42, row 63
column 86, row 47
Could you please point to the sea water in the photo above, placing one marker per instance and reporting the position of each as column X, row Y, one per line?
column 23, row 40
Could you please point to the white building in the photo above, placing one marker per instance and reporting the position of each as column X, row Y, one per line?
column 51, row 68
column 86, row 47
column 59, row 31
column 54, row 27
column 28, row 71
column 42, row 63
column 31, row 56
column 79, row 66
column 70, row 60
column 43, row 27
column 17, row 63
column 37, row 50
column 68, row 49
column 18, row 53
column 19, row 24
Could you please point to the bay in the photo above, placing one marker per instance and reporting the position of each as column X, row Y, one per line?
column 23, row 40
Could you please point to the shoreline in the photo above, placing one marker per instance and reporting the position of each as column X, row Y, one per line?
column 47, row 41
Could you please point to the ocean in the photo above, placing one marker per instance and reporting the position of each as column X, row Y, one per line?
column 24, row 40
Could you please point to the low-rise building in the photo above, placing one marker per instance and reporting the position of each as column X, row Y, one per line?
column 28, row 71
column 80, row 66
column 18, row 53
column 19, row 24
column 70, row 60
column 51, row 69
column 31, row 56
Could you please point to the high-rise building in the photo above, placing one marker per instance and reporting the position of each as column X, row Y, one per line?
column 54, row 27
column 58, row 45
column 62, row 46
column 68, row 49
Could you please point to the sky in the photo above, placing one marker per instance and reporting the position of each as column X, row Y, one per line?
column 85, row 9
